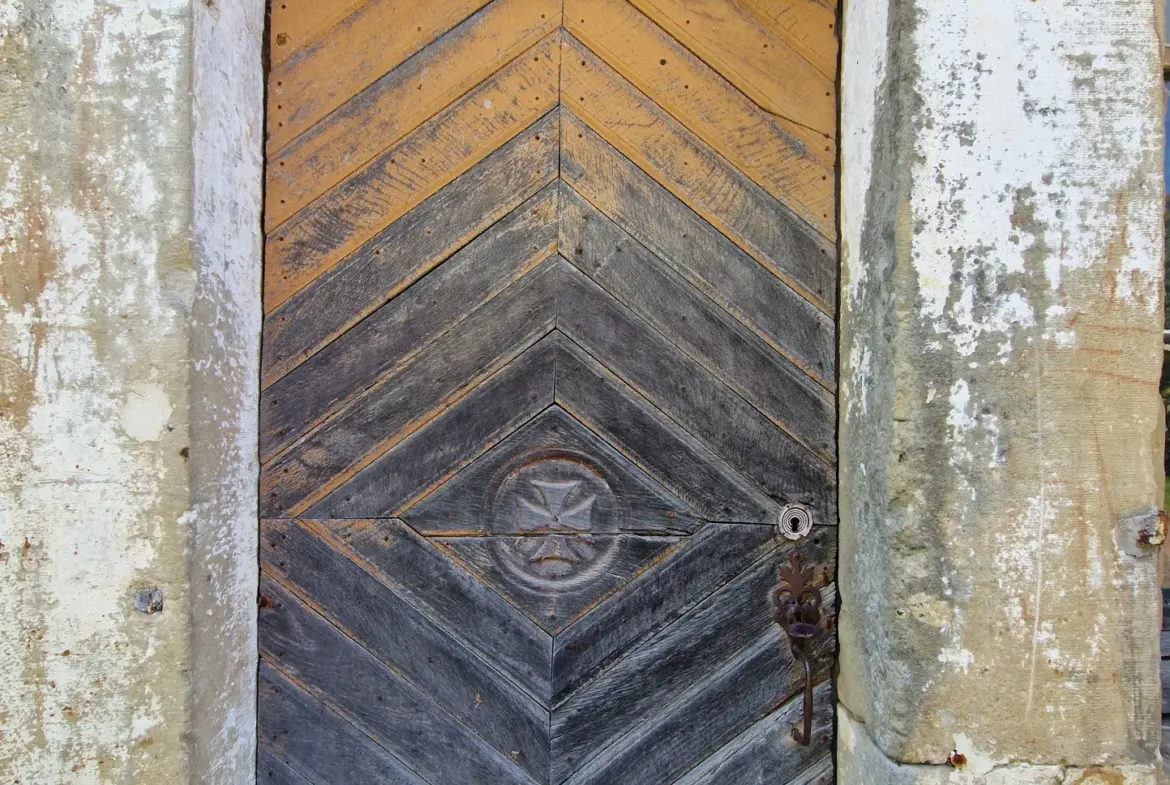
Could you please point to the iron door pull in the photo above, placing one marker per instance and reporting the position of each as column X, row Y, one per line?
column 798, row 612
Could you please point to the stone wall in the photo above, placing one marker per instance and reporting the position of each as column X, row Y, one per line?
column 127, row 370
column 1001, row 428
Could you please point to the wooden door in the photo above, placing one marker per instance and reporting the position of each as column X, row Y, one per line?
column 548, row 346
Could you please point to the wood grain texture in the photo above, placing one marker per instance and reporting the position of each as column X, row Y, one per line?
column 405, row 175
column 761, row 224
column 461, row 506
column 704, row 331
column 316, row 741
column 551, row 606
column 407, row 249
column 712, row 636
column 271, row 770
column 294, row 24
column 536, row 382
column 398, row 103
column 418, row 392
column 705, row 716
column 365, row 45
column 765, row 752
column 328, row 578
column 699, row 403
column 425, row 458
column 707, row 259
column 809, row 26
column 711, row 558
column 681, row 463
column 774, row 70
column 408, row 323
column 337, row 671
column 791, row 162
column 422, row 573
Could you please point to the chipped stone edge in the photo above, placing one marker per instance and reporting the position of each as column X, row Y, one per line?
column 862, row 763
column 227, row 172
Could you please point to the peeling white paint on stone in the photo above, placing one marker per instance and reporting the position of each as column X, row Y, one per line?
column 93, row 213
column 867, row 53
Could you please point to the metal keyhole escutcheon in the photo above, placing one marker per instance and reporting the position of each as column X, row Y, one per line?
column 798, row 612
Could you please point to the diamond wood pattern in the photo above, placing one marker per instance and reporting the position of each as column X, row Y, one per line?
column 548, row 344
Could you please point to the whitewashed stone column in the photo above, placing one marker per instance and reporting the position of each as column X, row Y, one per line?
column 1001, row 427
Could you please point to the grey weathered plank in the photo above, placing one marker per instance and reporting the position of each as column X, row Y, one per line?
column 409, row 322
column 711, row 558
column 708, row 714
column 766, row 752
column 271, row 770
column 468, row 428
column 337, row 671
column 821, row 773
column 1165, row 675
column 387, row 263
column 698, row 402
column 423, row 574
column 317, row 741
column 764, row 225
column 698, row 251
column 646, row 285
column 417, row 391
column 461, row 506
column 551, row 606
column 648, row 438
column 406, row 639
column 647, row 680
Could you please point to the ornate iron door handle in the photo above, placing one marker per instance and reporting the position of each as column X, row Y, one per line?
column 798, row 612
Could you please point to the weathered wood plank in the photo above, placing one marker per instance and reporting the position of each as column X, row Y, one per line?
column 822, row 773
column 772, row 229
column 408, row 323
column 791, row 161
column 416, row 393
column 698, row 402
column 317, row 741
column 408, row 249
column 431, row 453
column 401, row 178
column 329, row 578
column 462, row 506
column 711, row 713
column 776, row 71
column 645, row 284
column 765, row 752
column 294, row 24
column 635, row 45
column 548, row 604
column 399, row 102
column 707, row 561
column 647, row 679
column 678, row 461
column 810, row 26
column 271, row 770
column 699, row 252
column 337, row 671
column 420, row 572
column 364, row 46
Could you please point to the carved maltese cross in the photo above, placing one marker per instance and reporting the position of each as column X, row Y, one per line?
column 557, row 524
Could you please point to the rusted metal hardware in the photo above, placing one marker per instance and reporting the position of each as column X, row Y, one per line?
column 798, row 612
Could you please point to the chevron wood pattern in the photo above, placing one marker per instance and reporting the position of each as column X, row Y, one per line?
column 548, row 344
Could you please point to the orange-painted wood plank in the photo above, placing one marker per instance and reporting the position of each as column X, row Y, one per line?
column 792, row 163
column 402, row 177
column 776, row 75
column 635, row 126
column 402, row 100
column 363, row 47
column 810, row 26
column 294, row 24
